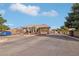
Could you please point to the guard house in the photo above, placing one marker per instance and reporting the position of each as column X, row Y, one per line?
column 37, row 29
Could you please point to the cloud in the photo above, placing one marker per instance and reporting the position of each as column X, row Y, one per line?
column 8, row 24
column 32, row 10
column 50, row 13
column 2, row 12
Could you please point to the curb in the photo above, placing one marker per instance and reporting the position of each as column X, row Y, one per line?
column 13, row 39
column 72, row 37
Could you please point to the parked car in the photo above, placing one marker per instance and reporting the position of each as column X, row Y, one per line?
column 0, row 33
column 5, row 33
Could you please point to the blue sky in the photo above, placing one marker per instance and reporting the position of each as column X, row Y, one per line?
column 18, row 15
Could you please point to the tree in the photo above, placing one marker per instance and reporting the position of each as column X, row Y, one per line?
column 2, row 26
column 72, row 20
column 2, row 20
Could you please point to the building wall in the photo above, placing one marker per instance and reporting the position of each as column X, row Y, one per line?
column 16, row 31
column 35, row 30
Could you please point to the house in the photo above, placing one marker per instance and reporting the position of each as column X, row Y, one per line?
column 37, row 29
column 15, row 31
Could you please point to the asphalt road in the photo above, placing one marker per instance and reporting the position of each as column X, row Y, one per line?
column 50, row 45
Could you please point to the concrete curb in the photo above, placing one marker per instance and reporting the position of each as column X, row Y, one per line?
column 10, row 38
column 72, row 37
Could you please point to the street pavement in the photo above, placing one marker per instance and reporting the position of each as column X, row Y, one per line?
column 41, row 45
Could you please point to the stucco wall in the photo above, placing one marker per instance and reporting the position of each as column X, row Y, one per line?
column 76, row 33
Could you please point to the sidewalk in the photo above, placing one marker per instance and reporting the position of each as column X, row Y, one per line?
column 13, row 37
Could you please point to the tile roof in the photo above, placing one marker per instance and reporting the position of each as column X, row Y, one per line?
column 40, row 25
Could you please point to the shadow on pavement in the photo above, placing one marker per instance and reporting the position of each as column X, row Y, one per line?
column 62, row 37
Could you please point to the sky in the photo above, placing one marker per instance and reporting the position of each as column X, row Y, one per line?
column 19, row 15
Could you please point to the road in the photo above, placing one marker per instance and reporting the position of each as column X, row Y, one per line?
column 50, row 45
